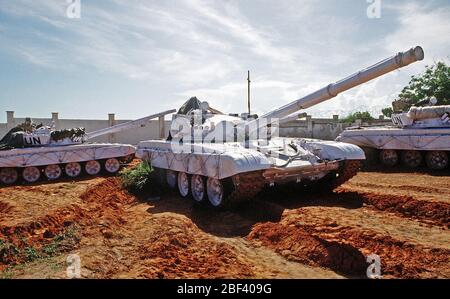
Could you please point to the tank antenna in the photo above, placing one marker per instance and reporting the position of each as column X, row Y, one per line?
column 248, row 91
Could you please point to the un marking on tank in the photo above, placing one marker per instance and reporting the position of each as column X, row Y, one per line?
column 32, row 140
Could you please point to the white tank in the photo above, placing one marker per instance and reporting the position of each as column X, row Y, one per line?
column 31, row 152
column 421, row 135
column 224, row 159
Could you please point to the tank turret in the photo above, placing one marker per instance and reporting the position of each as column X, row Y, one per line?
column 423, row 117
column 196, row 121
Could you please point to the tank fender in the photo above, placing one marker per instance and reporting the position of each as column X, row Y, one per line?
column 332, row 150
column 218, row 165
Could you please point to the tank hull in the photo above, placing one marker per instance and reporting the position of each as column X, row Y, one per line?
column 63, row 154
column 35, row 163
column 240, row 171
column 432, row 139
column 410, row 146
column 226, row 160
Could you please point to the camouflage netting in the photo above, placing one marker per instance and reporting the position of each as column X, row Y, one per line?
column 428, row 112
column 13, row 139
column 72, row 134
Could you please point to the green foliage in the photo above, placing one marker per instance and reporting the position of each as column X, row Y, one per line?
column 434, row 82
column 387, row 111
column 62, row 242
column 138, row 179
column 31, row 254
column 18, row 259
column 50, row 249
column 364, row 116
column 70, row 234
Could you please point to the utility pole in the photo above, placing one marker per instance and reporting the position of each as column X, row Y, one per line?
column 248, row 91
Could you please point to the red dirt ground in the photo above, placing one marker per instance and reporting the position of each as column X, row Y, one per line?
column 281, row 234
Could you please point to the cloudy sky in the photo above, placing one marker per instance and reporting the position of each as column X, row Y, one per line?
column 136, row 58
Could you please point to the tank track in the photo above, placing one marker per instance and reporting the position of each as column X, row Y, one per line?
column 246, row 186
column 243, row 187
column 349, row 169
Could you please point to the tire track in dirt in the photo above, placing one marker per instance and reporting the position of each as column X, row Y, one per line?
column 398, row 258
column 298, row 245
column 343, row 249
column 309, row 232
column 382, row 223
column 430, row 212
column 420, row 189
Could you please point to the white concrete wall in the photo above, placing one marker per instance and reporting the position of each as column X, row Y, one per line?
column 3, row 130
column 150, row 131
column 320, row 128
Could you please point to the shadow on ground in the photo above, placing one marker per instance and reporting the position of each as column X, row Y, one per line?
column 267, row 207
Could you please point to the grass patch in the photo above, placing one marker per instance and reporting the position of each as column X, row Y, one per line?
column 50, row 249
column 139, row 179
column 7, row 274
column 65, row 241
column 31, row 254
column 46, row 267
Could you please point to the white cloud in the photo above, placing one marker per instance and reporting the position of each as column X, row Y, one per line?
column 236, row 25
column 204, row 48
column 421, row 25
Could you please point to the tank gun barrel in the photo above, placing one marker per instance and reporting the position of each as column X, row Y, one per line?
column 141, row 122
column 383, row 67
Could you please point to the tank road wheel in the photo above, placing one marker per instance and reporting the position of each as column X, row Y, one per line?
column 437, row 160
column 8, row 176
column 198, row 188
column 412, row 159
column 112, row 165
column 53, row 172
column 183, row 184
column 171, row 178
column 72, row 169
column 31, row 174
column 233, row 191
column 389, row 157
column 92, row 167
column 216, row 192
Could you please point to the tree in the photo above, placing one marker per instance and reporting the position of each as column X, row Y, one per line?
column 364, row 116
column 433, row 82
column 387, row 111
